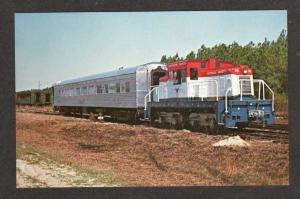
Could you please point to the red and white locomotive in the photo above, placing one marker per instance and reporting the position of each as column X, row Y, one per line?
column 206, row 79
column 208, row 94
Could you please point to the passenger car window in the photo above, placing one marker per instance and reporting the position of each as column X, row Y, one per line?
column 118, row 87
column 91, row 90
column 127, row 87
column 112, row 88
column 67, row 92
column 203, row 65
column 77, row 91
column 123, row 87
column 83, row 90
column 99, row 88
column 106, row 88
column 73, row 92
column 194, row 74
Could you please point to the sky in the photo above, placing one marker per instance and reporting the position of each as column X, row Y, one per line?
column 52, row 47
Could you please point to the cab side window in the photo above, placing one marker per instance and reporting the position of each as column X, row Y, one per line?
column 178, row 77
column 183, row 76
column 194, row 73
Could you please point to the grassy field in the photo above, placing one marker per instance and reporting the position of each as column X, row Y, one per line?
column 137, row 155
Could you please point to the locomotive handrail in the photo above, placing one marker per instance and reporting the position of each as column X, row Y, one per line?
column 263, row 83
column 148, row 94
column 217, row 86
column 229, row 89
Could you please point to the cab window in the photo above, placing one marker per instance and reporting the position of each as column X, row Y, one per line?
column 180, row 77
column 183, row 76
column 203, row 65
column 194, row 74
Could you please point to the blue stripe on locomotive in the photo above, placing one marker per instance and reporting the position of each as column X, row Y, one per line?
column 238, row 111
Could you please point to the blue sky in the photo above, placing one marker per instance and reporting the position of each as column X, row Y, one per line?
column 50, row 47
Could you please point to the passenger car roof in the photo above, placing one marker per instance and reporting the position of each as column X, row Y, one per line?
column 120, row 71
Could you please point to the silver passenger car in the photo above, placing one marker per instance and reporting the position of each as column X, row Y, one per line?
column 124, row 88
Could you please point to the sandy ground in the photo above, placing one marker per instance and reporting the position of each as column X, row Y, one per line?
column 47, row 173
column 136, row 155
column 33, row 175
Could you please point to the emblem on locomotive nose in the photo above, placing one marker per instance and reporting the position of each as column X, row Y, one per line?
column 176, row 89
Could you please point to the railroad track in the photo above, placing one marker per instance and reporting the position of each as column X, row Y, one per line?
column 271, row 134
column 276, row 133
column 273, row 126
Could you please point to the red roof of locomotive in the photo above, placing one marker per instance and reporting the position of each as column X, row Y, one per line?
column 209, row 67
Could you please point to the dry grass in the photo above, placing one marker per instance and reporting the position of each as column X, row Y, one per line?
column 142, row 156
column 34, row 108
column 281, row 105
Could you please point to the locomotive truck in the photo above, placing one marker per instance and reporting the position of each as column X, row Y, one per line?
column 208, row 95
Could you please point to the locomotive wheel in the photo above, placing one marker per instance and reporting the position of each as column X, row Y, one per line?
column 205, row 129
column 212, row 126
column 152, row 120
column 92, row 116
column 136, row 118
column 179, row 122
column 179, row 126
column 162, row 123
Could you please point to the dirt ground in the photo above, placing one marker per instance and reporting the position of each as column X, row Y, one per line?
column 39, row 171
column 31, row 109
column 111, row 154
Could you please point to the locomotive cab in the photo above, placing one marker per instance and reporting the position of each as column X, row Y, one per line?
column 208, row 80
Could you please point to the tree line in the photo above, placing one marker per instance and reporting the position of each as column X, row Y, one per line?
column 268, row 59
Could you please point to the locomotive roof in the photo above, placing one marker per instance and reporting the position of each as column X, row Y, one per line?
column 117, row 72
column 184, row 62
